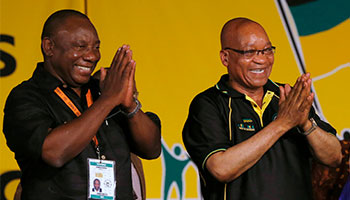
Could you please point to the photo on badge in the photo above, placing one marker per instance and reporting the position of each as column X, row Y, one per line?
column 101, row 179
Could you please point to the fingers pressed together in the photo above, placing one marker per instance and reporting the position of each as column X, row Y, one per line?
column 295, row 103
column 118, row 81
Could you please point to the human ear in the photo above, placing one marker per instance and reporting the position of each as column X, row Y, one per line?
column 47, row 46
column 224, row 57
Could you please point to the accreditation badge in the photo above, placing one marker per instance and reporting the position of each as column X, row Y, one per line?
column 101, row 181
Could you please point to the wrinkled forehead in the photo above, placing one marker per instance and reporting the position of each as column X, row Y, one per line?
column 74, row 24
column 250, row 33
column 242, row 33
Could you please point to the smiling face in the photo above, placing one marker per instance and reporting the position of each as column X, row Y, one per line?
column 72, row 53
column 247, row 74
column 97, row 184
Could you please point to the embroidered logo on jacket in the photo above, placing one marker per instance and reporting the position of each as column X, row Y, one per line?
column 246, row 125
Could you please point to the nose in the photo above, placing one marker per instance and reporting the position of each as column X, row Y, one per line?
column 92, row 55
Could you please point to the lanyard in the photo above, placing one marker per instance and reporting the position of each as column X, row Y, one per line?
column 77, row 112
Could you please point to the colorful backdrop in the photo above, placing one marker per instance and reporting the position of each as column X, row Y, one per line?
column 176, row 47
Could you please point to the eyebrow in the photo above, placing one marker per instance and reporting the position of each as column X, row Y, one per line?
column 249, row 45
column 84, row 41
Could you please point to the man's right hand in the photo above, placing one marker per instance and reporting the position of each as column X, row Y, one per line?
column 118, row 83
column 295, row 104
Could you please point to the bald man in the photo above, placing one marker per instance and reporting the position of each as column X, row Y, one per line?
column 252, row 138
column 67, row 128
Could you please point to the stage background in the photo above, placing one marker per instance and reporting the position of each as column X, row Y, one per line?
column 176, row 47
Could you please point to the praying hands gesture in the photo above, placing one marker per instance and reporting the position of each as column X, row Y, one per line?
column 117, row 83
column 295, row 104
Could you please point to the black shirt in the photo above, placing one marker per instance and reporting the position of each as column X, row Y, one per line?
column 220, row 118
column 33, row 108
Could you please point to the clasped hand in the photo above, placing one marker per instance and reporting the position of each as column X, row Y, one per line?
column 295, row 103
column 117, row 83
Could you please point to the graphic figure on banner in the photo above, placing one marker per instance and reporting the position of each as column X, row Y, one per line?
column 175, row 164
